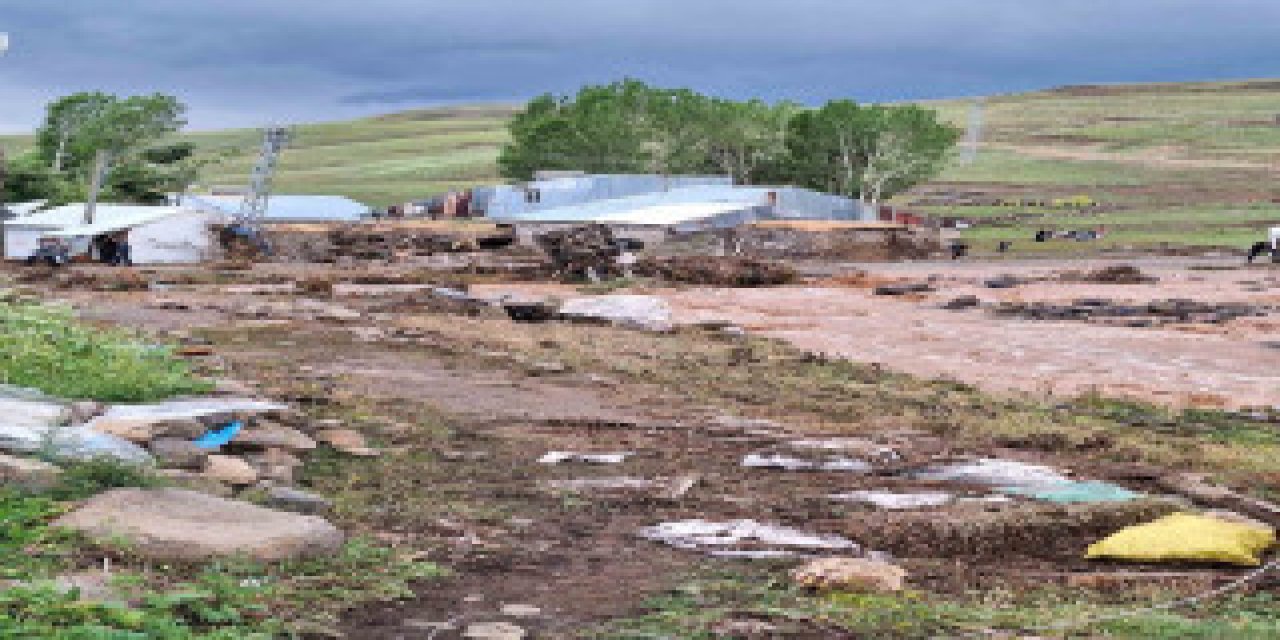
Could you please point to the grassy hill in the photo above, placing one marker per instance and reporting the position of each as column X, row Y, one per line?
column 379, row 160
column 1186, row 163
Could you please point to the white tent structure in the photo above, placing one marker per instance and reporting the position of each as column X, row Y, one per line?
column 156, row 235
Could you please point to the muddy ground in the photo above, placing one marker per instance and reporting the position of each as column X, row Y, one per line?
column 466, row 402
column 1197, row 363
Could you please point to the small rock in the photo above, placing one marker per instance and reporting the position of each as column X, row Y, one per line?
column 298, row 501
column 494, row 631
column 185, row 428
column 230, row 469
column 962, row 302
column 84, row 411
column 347, row 441
column 94, row 586
column 850, row 574
column 273, row 436
column 178, row 453
column 521, row 610
column 225, row 387
column 185, row 479
column 175, row 524
column 28, row 473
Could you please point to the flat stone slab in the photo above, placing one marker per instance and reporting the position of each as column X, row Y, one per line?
column 176, row 524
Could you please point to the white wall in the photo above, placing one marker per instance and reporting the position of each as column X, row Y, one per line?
column 184, row 237
column 21, row 242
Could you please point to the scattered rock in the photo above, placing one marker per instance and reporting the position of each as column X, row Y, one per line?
column 176, row 524
column 265, row 435
column 903, row 289
column 231, row 470
column 961, row 303
column 28, row 473
column 347, row 441
column 850, row 574
column 298, row 501
column 521, row 610
column 84, row 411
column 178, row 453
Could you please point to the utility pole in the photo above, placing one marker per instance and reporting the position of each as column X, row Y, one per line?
column 101, row 161
column 4, row 165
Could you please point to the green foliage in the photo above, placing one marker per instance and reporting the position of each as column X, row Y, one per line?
column 27, row 547
column 47, row 349
column 630, row 127
column 871, row 152
column 868, row 152
column 30, row 178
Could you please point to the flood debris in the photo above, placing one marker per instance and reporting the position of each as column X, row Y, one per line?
column 995, row 472
column 903, row 289
column 724, row 271
column 1114, row 274
column 1151, row 314
column 648, row 313
column 586, row 253
column 557, row 457
column 789, row 463
column 893, row 500
column 743, row 539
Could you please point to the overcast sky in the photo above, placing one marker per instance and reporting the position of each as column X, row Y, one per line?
column 249, row 62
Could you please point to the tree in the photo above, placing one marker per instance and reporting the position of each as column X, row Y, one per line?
column 76, row 127
column 868, row 153
column 746, row 140
column 141, row 168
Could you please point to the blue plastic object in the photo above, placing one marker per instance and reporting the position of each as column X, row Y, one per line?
column 1075, row 492
column 219, row 437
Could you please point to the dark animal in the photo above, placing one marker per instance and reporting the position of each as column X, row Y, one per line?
column 1260, row 249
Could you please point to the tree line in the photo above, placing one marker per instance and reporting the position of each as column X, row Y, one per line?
column 131, row 133
column 867, row 152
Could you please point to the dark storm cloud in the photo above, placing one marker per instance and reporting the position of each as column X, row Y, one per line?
column 245, row 62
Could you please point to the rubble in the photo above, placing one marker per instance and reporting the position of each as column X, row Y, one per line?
column 1115, row 274
column 1152, row 314
column 177, row 524
column 724, row 271
column 347, row 441
column 583, row 253
column 789, row 463
column 903, row 289
column 897, row 500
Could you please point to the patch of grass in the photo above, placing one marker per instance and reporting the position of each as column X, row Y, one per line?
column 45, row 348
column 702, row 609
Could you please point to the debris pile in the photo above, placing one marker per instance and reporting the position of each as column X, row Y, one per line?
column 370, row 243
column 724, row 271
column 583, row 253
column 1151, row 314
column 1115, row 274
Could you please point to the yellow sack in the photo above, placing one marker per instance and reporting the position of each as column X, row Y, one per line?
column 1187, row 537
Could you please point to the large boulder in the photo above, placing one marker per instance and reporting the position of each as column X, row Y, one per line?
column 176, row 524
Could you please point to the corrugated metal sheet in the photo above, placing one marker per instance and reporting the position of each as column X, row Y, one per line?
column 72, row 215
column 509, row 201
column 287, row 208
